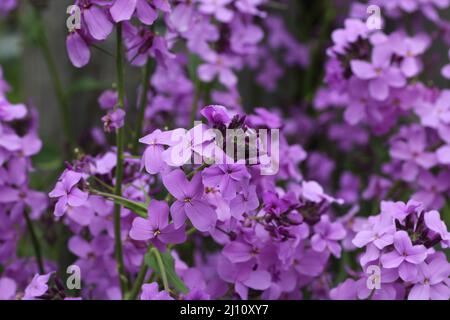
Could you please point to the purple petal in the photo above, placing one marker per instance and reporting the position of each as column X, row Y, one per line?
column 176, row 183
column 402, row 242
column 202, row 216
column 363, row 69
column 391, row 260
column 7, row 288
column 237, row 251
column 258, row 280
column 419, row 292
column 416, row 254
column 171, row 235
column 79, row 247
column 76, row 197
column 141, row 229
column 8, row 194
column 394, row 78
column 178, row 213
column 410, row 66
column 408, row 272
column 158, row 214
column 145, row 12
column 446, row 71
column 78, row 50
column 97, row 22
column 379, row 89
column 122, row 10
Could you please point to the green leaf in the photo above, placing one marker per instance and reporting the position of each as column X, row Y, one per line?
column 137, row 207
column 169, row 268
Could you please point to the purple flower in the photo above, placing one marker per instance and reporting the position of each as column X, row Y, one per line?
column 239, row 251
column 182, row 17
column 184, row 144
column 10, row 112
column 227, row 177
column 412, row 150
column 142, row 44
column 409, row 49
column 221, row 65
column 432, row 189
column 431, row 281
column 387, row 289
column 7, row 288
column 77, row 49
column 189, row 201
column 20, row 197
column 68, row 194
column 250, row 7
column 434, row 222
column 436, row 114
column 344, row 291
column 381, row 233
column 445, row 71
column 108, row 99
column 312, row 191
column 443, row 154
column 114, row 120
column 37, row 287
column 153, row 154
column 216, row 115
column 244, row 276
column 96, row 19
column 327, row 235
column 7, row 6
column 122, row 10
column 380, row 74
column 245, row 202
column 217, row 8
column 156, row 227
column 354, row 29
column 150, row 291
column 405, row 256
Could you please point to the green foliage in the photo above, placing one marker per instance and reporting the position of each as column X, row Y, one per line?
column 167, row 268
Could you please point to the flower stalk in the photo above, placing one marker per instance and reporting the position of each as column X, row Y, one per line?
column 120, row 141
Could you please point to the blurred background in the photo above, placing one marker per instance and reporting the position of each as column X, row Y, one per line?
column 32, row 44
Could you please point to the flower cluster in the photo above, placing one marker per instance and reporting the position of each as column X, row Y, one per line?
column 376, row 78
column 246, row 202
column 402, row 242
column 19, row 203
column 274, row 240
column 220, row 39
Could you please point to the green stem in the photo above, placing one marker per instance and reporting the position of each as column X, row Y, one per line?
column 194, row 108
column 193, row 172
column 139, row 281
column 103, row 184
column 34, row 240
column 162, row 268
column 316, row 66
column 130, row 204
column 120, row 140
column 141, row 112
column 57, row 84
